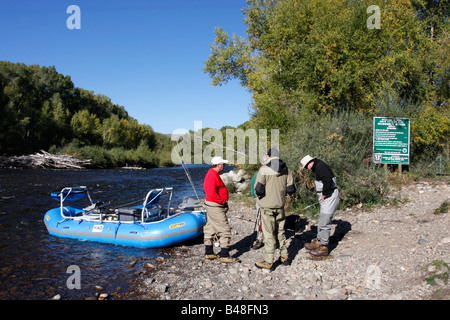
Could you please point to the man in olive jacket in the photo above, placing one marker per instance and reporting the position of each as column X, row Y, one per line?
column 273, row 182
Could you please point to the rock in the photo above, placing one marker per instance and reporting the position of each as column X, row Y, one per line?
column 149, row 265
column 445, row 240
column 240, row 180
column 103, row 296
column 423, row 241
column 225, row 179
column 242, row 173
column 162, row 287
column 312, row 278
column 99, row 288
column 241, row 186
column 439, row 282
column 208, row 284
column 57, row 297
column 235, row 177
column 326, row 285
column 337, row 294
column 233, row 271
column 131, row 265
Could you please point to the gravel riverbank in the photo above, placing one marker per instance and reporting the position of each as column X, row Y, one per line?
column 383, row 253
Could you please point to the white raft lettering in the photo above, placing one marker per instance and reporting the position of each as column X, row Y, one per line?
column 97, row 228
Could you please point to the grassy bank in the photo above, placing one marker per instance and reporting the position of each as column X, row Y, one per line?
column 344, row 141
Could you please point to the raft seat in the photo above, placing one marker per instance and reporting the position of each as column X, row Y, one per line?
column 129, row 214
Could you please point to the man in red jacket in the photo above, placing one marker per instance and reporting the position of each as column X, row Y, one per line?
column 216, row 202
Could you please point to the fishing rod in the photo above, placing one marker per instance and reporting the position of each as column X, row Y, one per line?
column 187, row 172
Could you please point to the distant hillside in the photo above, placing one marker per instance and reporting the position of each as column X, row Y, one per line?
column 42, row 109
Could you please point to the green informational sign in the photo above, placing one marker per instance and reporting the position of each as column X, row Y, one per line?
column 390, row 140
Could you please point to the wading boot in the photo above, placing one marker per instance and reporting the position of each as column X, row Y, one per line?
column 322, row 251
column 285, row 261
column 209, row 253
column 257, row 244
column 264, row 265
column 313, row 245
column 225, row 257
column 228, row 260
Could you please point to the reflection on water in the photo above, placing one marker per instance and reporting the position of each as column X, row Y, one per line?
column 34, row 264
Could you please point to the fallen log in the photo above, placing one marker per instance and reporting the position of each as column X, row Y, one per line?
column 44, row 160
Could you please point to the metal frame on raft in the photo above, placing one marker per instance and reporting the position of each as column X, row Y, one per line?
column 94, row 210
column 69, row 197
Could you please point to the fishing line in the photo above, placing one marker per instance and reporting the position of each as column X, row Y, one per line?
column 218, row 145
column 187, row 172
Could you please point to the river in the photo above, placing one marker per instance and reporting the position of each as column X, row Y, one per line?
column 34, row 265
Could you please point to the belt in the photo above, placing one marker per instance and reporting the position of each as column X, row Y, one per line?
column 330, row 189
column 225, row 205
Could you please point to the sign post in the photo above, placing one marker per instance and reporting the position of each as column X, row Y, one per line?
column 391, row 140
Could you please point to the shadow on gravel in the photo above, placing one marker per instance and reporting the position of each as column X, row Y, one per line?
column 299, row 236
column 243, row 245
column 295, row 228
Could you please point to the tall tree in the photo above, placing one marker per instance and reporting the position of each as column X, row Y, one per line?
column 303, row 57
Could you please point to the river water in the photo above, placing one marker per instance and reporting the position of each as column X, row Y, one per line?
column 34, row 265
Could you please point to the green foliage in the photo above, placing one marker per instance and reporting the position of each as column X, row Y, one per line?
column 230, row 58
column 443, row 208
column 41, row 108
column 343, row 140
column 101, row 157
column 303, row 58
column 441, row 271
column 85, row 127
column 319, row 74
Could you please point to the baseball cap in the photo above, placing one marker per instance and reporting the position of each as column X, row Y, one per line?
column 218, row 160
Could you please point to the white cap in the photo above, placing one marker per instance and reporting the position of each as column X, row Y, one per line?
column 218, row 160
column 306, row 160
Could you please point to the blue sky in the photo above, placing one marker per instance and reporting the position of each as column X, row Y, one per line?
column 146, row 55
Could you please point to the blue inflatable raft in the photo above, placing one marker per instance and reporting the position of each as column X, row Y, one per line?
column 148, row 225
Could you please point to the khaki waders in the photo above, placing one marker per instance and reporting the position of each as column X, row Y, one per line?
column 273, row 230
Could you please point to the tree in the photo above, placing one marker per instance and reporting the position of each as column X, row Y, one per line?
column 304, row 57
column 230, row 58
column 86, row 127
column 41, row 109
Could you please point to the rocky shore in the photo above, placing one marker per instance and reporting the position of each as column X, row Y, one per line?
column 394, row 252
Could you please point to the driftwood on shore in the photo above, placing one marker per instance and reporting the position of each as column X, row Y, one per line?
column 44, row 159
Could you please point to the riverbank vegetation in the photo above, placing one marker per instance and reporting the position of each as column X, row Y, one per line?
column 319, row 71
column 43, row 110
